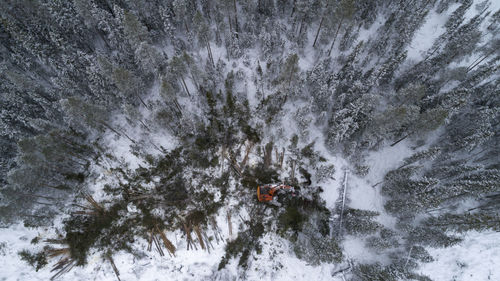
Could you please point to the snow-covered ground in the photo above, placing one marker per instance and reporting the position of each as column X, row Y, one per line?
column 476, row 258
column 429, row 32
column 276, row 258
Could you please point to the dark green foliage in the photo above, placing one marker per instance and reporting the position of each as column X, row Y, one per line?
column 258, row 175
column 114, row 228
column 246, row 242
column 251, row 133
column 83, row 232
column 306, row 175
column 205, row 141
column 70, row 67
column 35, row 240
column 222, row 183
column 173, row 190
column 196, row 217
column 323, row 223
column 308, row 151
column 291, row 218
column 272, row 105
column 37, row 260
column 52, row 165
column 80, row 177
column 212, row 103
column 294, row 141
column 230, row 107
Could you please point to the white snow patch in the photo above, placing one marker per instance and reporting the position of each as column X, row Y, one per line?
column 476, row 258
column 355, row 249
column 426, row 35
column 278, row 262
column 386, row 159
column 13, row 240
column 365, row 34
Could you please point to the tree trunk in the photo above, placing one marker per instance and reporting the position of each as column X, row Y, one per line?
column 145, row 126
column 335, row 37
column 282, row 156
column 142, row 101
column 474, row 64
column 185, row 86
column 115, row 269
column 317, row 32
column 400, row 140
column 290, row 78
column 210, row 54
column 37, row 196
column 268, row 154
column 229, row 224
column 343, row 202
column 109, row 127
column 432, row 53
column 176, row 103
column 129, row 138
column 236, row 28
column 301, row 26
column 408, row 258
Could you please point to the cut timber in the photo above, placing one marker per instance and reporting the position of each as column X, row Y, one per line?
column 247, row 152
column 234, row 165
column 400, row 140
column 65, row 263
column 408, row 258
column 115, row 269
column 85, row 213
column 170, row 247
column 319, row 29
column 342, row 270
column 158, row 247
column 150, row 242
column 94, row 204
column 63, row 266
column 282, row 157
column 268, row 154
column 229, row 224
column 57, row 252
column 216, row 230
column 223, row 155
column 190, row 243
column 55, row 241
column 200, row 237
column 207, row 241
column 343, row 201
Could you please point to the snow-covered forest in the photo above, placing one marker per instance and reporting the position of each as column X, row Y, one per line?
column 134, row 135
